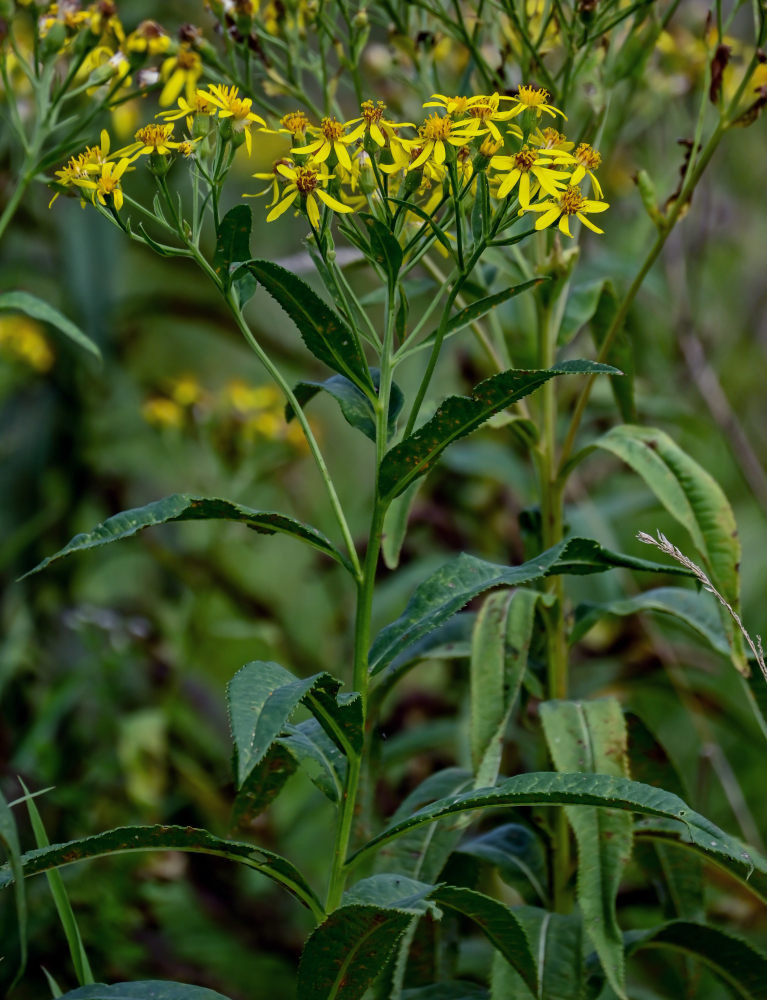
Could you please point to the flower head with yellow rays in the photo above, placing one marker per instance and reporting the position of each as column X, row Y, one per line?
column 151, row 139
column 106, row 184
column 534, row 99
column 570, row 202
column 330, row 137
column 587, row 160
column 381, row 130
column 437, row 133
column 227, row 103
column 180, row 73
column 306, row 183
column 532, row 169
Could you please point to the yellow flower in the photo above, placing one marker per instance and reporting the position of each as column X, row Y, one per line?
column 23, row 340
column 198, row 104
column 535, row 99
column 435, row 133
column 149, row 38
column 150, row 139
column 331, row 138
column 373, row 122
column 162, row 412
column 304, row 182
column 185, row 390
column 588, row 160
column 107, row 184
column 229, row 105
column 569, row 202
column 180, row 72
column 83, row 165
column 273, row 176
column 525, row 163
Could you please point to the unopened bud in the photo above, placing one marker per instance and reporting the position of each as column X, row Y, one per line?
column 361, row 19
column 649, row 197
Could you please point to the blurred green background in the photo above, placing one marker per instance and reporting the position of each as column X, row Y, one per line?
column 113, row 664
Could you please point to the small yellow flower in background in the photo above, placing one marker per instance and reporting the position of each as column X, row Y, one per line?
column 228, row 104
column 186, row 390
column 22, row 339
column 569, row 202
column 304, row 182
column 125, row 118
column 149, row 38
column 244, row 397
column 331, row 138
column 104, row 20
column 162, row 412
column 535, row 99
column 180, row 72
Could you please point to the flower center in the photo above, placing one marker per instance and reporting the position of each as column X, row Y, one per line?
column 108, row 185
column 588, row 157
column 459, row 105
column 525, row 158
column 332, row 129
column 571, row 201
column 435, row 128
column 295, row 122
column 552, row 138
column 154, row 135
column 188, row 60
column 372, row 112
column 532, row 97
column 306, row 179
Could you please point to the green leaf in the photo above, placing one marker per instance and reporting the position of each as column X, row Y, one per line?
column 736, row 962
column 695, row 500
column 435, row 228
column 355, row 406
column 185, row 507
column 387, row 252
column 620, row 353
column 463, row 578
column 61, row 901
column 460, row 415
column 343, row 956
column 153, row 989
column 590, row 737
column 480, row 211
column 498, row 922
column 549, row 788
column 556, row 941
column 581, row 305
column 32, row 306
column 392, row 891
column 451, row 989
column 499, row 650
column 166, row 838
column 518, row 855
column 480, row 308
column 9, row 839
column 423, row 853
column 395, row 525
column 232, row 250
column 323, row 331
column 262, row 785
column 317, row 754
column 694, row 608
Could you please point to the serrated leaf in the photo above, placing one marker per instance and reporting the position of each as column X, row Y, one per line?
column 343, row 956
column 392, row 891
column 166, row 838
column 323, row 331
column 9, row 840
column 620, row 353
column 590, row 737
column 186, row 507
column 458, row 416
column 481, row 307
column 317, row 754
column 695, row 608
column 31, row 305
column 516, row 852
column 550, row 788
column 463, row 578
column 695, row 500
column 555, row 939
column 498, row 922
column 499, row 650
column 153, row 989
column 733, row 960
column 423, row 853
column 386, row 250
column 355, row 406
column 262, row 785
column 233, row 247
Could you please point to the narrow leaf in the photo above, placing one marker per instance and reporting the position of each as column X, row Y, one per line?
column 555, row 939
column 452, row 989
column 549, row 788
column 463, row 578
column 317, row 754
column 387, row 252
column 323, row 331
column 185, row 507
column 590, row 737
column 31, row 305
column 9, row 840
column 393, row 891
column 517, row 854
column 581, row 305
column 395, row 525
column 128, row 839
column 620, row 353
column 694, row 499
column 460, row 415
column 483, row 306
column 233, row 248
column 148, row 990
column 355, row 406
column 499, row 651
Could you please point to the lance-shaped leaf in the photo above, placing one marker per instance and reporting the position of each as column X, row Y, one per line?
column 232, row 249
column 556, row 941
column 462, row 579
column 387, row 252
column 736, row 962
column 695, row 500
column 152, row 989
column 499, row 651
column 167, row 838
column 517, row 854
column 423, row 853
column 9, row 840
column 620, row 352
column 590, row 737
column 550, row 788
column 694, row 608
column 355, row 406
column 318, row 755
column 30, row 305
column 497, row 922
column 323, row 331
column 185, row 507
column 460, row 415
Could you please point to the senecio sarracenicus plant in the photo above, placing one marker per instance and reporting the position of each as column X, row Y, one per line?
column 480, row 176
